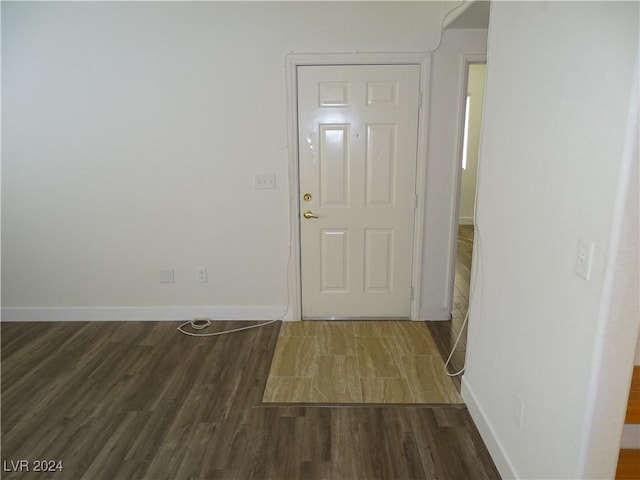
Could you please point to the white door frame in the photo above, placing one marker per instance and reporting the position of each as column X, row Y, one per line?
column 293, row 61
column 465, row 61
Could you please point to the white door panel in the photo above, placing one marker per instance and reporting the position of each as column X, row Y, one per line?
column 357, row 128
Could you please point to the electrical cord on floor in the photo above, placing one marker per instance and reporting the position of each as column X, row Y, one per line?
column 202, row 323
column 477, row 240
column 453, row 350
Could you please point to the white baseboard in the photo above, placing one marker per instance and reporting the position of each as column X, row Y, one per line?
column 107, row 314
column 488, row 434
column 119, row 314
column 465, row 220
column 435, row 314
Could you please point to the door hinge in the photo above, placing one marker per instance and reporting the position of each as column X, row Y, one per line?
column 411, row 293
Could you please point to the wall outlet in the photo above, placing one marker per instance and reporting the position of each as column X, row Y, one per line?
column 202, row 275
column 518, row 410
column 166, row 275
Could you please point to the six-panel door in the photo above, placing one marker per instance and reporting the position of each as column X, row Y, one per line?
column 357, row 128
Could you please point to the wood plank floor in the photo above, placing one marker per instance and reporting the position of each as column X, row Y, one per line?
column 391, row 361
column 128, row 400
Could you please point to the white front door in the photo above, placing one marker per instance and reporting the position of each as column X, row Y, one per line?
column 357, row 133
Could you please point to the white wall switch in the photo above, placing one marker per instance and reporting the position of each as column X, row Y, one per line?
column 584, row 258
column 518, row 410
column 166, row 275
column 202, row 275
column 264, row 181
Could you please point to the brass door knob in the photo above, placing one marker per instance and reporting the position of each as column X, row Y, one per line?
column 309, row 214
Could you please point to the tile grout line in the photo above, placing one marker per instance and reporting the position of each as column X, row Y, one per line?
column 355, row 346
column 401, row 366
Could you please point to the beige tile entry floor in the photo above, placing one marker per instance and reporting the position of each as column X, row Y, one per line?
column 357, row 362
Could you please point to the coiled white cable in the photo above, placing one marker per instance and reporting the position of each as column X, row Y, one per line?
column 202, row 323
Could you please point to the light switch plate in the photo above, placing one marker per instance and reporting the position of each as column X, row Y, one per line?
column 584, row 258
column 265, row 181
column 518, row 410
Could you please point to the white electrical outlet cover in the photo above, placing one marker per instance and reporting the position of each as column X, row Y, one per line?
column 202, row 275
column 166, row 275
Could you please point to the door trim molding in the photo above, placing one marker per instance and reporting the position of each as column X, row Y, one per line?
column 293, row 61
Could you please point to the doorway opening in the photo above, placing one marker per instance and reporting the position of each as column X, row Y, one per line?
column 454, row 335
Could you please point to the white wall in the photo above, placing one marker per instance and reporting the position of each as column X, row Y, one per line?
column 131, row 132
column 611, row 373
column 470, row 173
column 556, row 155
column 442, row 168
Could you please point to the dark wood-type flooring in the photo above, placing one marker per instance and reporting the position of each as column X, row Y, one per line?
column 124, row 400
